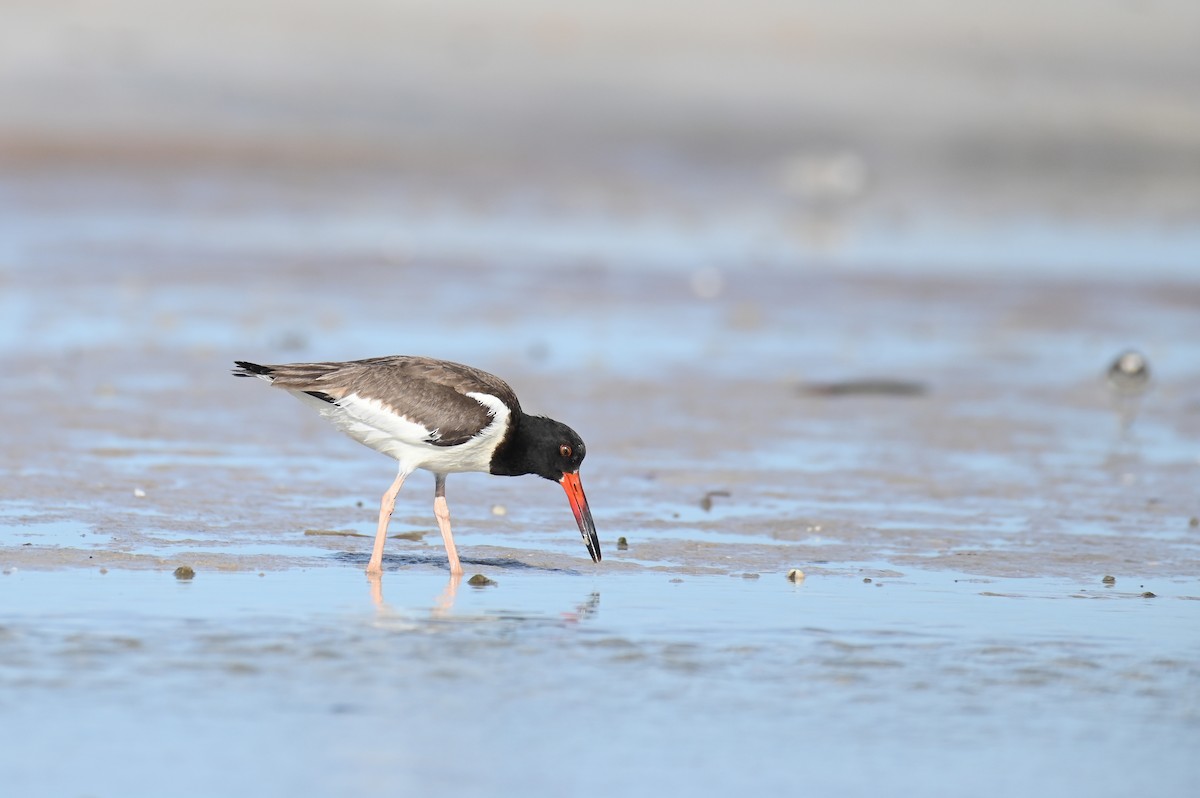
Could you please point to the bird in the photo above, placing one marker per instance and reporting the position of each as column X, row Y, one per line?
column 438, row 416
column 1129, row 373
column 1128, row 379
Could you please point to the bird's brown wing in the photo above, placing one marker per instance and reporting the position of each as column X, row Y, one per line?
column 429, row 392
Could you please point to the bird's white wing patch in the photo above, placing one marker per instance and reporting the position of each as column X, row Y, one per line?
column 372, row 424
column 495, row 407
column 475, row 454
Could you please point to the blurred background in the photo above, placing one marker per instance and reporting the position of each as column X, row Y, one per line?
column 934, row 136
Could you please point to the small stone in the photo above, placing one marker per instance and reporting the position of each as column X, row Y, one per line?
column 676, row 580
column 499, row 509
column 1109, row 580
column 184, row 572
column 749, row 576
column 1148, row 594
column 795, row 575
column 622, row 544
column 1194, row 521
column 866, row 580
column 139, row 493
column 103, row 570
column 479, row 580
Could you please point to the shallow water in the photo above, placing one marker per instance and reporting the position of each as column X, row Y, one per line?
column 297, row 681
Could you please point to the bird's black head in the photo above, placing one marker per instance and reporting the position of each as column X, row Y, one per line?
column 539, row 445
column 552, row 448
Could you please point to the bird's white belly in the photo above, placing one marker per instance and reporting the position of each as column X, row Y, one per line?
column 372, row 424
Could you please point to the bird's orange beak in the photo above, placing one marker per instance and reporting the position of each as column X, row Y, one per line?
column 583, row 515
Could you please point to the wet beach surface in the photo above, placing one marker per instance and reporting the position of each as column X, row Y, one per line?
column 787, row 345
column 985, row 510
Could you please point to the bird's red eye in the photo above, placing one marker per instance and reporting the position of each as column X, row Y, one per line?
column 564, row 450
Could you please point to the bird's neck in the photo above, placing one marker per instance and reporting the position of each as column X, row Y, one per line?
column 514, row 455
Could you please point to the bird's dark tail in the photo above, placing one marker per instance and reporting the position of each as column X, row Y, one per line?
column 247, row 369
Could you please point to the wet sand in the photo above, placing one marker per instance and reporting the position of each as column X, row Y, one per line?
column 985, row 511
column 797, row 329
column 1011, row 461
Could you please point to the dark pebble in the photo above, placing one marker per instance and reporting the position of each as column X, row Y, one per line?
column 1109, row 580
column 184, row 572
column 1148, row 594
column 866, row 580
column 1194, row 521
column 706, row 503
column 622, row 544
column 865, row 387
column 479, row 580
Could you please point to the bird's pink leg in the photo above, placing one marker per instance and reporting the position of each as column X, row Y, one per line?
column 441, row 511
column 375, row 566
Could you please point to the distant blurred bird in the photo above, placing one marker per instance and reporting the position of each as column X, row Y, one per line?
column 438, row 416
column 1128, row 379
column 1129, row 373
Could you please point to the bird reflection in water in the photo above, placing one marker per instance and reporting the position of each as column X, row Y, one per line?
column 443, row 605
column 584, row 610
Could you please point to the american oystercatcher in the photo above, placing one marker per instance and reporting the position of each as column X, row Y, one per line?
column 440, row 416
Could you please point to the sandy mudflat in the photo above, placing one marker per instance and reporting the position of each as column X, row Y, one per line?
column 1011, row 461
